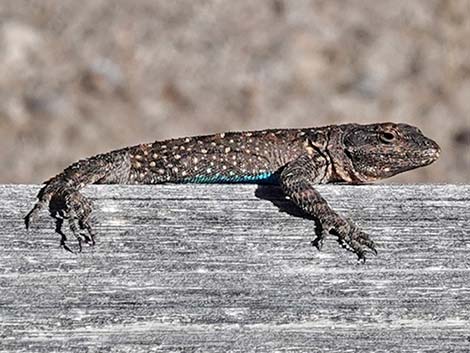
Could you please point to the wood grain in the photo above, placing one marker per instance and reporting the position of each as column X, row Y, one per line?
column 229, row 268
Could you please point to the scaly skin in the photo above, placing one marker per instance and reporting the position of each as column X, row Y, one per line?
column 295, row 159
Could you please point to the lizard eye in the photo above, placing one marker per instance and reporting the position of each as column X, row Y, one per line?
column 387, row 137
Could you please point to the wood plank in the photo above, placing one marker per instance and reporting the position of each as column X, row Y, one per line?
column 228, row 268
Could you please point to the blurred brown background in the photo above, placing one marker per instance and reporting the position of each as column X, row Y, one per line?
column 82, row 77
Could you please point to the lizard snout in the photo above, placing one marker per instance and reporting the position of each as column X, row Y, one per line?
column 432, row 151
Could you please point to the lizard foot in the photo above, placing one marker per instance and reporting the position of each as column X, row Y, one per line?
column 76, row 209
column 353, row 239
column 350, row 237
column 73, row 207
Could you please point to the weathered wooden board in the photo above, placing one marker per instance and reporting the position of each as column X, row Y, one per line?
column 227, row 268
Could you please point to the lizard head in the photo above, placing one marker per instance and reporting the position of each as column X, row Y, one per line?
column 378, row 151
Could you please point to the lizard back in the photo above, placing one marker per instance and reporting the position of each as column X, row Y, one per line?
column 231, row 157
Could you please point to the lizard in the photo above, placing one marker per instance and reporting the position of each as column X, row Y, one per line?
column 295, row 159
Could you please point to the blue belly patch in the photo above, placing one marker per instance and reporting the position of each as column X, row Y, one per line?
column 264, row 178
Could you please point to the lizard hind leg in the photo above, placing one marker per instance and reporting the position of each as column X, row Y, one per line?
column 70, row 206
column 61, row 193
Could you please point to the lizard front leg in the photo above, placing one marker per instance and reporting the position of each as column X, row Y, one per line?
column 297, row 180
column 61, row 193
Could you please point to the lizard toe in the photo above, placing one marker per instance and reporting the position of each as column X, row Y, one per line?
column 318, row 242
column 86, row 226
column 364, row 240
column 78, row 213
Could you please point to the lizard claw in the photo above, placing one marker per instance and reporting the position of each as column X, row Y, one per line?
column 318, row 242
column 361, row 257
column 372, row 250
column 33, row 214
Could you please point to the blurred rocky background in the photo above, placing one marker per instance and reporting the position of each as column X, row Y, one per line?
column 82, row 77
